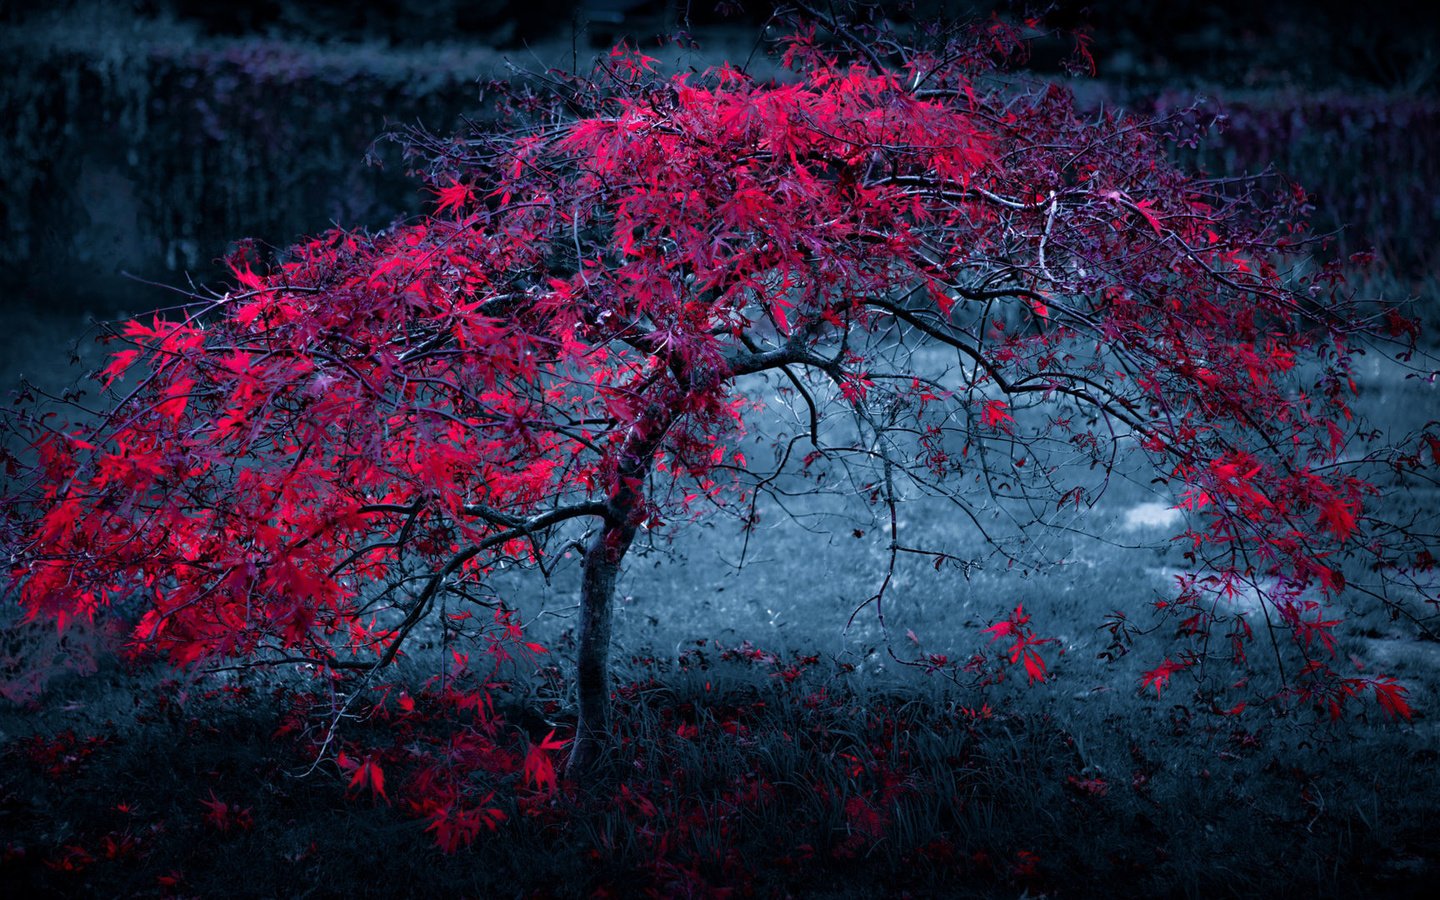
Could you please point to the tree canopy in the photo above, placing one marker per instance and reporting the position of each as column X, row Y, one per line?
column 971, row 287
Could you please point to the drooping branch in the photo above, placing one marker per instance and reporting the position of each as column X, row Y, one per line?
column 1112, row 404
column 518, row 528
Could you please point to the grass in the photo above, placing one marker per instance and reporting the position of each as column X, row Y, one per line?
column 731, row 775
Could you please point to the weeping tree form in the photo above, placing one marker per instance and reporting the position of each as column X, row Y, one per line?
column 966, row 286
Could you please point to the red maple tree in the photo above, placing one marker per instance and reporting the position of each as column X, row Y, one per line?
column 967, row 286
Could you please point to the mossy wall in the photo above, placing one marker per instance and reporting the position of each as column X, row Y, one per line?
column 149, row 145
column 151, row 153
column 1368, row 160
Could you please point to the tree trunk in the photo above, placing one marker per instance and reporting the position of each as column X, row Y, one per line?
column 625, row 508
column 597, row 588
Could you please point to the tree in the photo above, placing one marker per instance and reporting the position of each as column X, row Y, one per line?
column 969, row 287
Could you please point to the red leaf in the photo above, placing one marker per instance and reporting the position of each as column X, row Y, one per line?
column 369, row 774
column 994, row 414
column 217, row 812
column 999, row 630
column 539, row 771
column 1159, row 677
column 1337, row 517
column 1034, row 666
column 176, row 397
column 1143, row 208
column 119, row 363
column 1391, row 697
column 777, row 308
column 1094, row 787
column 453, row 196
column 248, row 279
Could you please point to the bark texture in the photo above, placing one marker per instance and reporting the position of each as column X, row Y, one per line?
column 625, row 509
